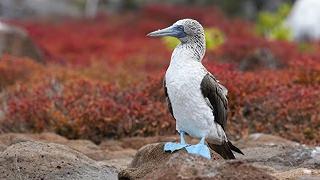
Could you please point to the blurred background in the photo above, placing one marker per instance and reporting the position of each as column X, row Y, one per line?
column 85, row 69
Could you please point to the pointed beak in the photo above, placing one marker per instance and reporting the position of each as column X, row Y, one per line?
column 169, row 31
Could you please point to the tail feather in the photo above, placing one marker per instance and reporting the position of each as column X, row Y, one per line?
column 225, row 150
column 234, row 148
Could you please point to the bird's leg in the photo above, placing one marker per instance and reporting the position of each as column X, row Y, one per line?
column 182, row 141
column 170, row 146
column 200, row 149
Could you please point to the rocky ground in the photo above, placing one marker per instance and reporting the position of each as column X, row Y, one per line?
column 49, row 156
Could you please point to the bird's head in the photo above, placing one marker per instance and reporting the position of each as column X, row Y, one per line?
column 186, row 30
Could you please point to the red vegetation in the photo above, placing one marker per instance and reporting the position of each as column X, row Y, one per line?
column 103, row 78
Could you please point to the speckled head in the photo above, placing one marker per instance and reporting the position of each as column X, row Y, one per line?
column 190, row 33
column 186, row 30
column 190, row 26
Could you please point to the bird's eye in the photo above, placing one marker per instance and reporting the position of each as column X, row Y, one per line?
column 180, row 28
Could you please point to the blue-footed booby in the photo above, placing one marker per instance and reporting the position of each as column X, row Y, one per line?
column 196, row 99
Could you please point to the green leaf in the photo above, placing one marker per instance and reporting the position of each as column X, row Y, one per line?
column 271, row 25
column 170, row 42
column 214, row 38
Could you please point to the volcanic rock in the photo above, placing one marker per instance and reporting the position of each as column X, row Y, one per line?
column 38, row 160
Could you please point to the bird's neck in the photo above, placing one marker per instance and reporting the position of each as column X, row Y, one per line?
column 191, row 50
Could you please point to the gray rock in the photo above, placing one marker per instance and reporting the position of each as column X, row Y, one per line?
column 8, row 139
column 152, row 163
column 38, row 160
column 15, row 41
column 266, row 156
column 109, row 153
column 260, row 139
column 278, row 154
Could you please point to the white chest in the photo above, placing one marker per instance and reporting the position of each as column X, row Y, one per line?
column 190, row 110
column 183, row 81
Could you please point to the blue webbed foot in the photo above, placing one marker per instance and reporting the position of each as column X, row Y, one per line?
column 170, row 146
column 200, row 149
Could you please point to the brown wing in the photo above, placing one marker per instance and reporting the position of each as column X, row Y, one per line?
column 216, row 94
column 167, row 97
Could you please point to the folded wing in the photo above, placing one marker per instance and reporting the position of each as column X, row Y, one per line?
column 216, row 96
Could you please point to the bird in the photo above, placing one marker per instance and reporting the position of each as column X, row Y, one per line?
column 196, row 99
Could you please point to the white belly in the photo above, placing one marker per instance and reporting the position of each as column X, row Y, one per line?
column 190, row 109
